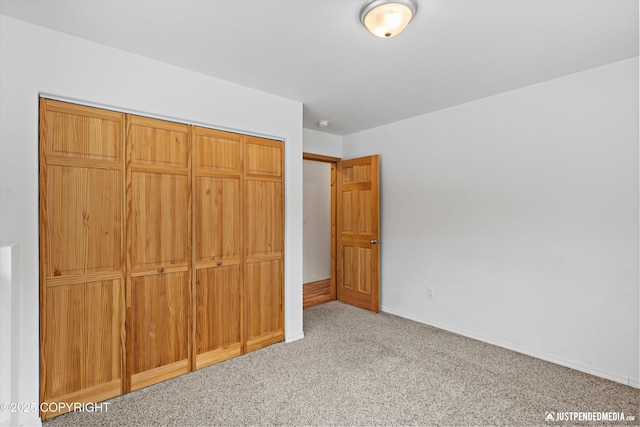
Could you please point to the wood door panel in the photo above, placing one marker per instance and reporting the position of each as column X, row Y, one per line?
column 159, row 320
column 158, row 250
column 349, row 207
column 158, row 142
column 364, row 220
column 81, row 254
column 218, row 313
column 217, row 223
column 264, row 298
column 264, row 242
column 84, row 220
column 82, row 132
column 82, row 345
column 265, row 217
column 356, row 172
column 160, row 219
column 217, row 151
column 218, row 229
column 356, row 212
column 358, row 254
column 263, row 157
column 356, row 271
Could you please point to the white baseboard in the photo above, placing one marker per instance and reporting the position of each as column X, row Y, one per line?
column 30, row 419
column 633, row 382
column 297, row 337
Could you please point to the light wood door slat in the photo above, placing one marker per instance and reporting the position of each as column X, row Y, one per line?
column 161, row 373
column 212, row 263
column 85, row 163
column 146, row 271
column 83, row 278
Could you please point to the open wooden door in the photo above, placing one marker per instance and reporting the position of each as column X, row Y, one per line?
column 359, row 232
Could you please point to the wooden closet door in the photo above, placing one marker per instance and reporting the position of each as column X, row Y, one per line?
column 217, row 236
column 158, row 250
column 264, row 241
column 81, row 254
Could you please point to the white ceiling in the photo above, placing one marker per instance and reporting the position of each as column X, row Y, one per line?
column 316, row 51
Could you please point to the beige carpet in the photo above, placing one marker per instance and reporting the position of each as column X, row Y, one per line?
column 358, row 368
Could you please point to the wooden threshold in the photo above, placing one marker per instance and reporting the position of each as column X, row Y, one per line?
column 316, row 293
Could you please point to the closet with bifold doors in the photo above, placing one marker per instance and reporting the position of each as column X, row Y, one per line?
column 161, row 250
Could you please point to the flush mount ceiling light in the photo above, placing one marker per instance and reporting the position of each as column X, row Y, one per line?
column 387, row 18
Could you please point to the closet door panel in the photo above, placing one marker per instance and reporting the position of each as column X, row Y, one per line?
column 158, row 251
column 264, row 242
column 81, row 254
column 158, row 143
column 160, row 220
column 217, row 151
column 82, row 349
column 74, row 131
column 217, row 221
column 264, row 218
column 217, row 178
column 84, row 230
column 264, row 158
column 218, row 335
column 160, row 327
column 264, row 303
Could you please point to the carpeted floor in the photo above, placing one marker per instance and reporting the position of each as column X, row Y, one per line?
column 359, row 368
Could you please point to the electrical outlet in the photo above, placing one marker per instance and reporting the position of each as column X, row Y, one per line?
column 431, row 293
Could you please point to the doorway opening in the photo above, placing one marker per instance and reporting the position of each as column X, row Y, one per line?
column 319, row 229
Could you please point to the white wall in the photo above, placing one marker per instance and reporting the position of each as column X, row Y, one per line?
column 9, row 329
column 521, row 211
column 322, row 143
column 6, row 283
column 37, row 60
column 316, row 210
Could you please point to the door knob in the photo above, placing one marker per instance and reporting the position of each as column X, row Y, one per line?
column 374, row 241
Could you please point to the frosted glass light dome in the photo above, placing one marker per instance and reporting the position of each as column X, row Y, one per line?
column 387, row 18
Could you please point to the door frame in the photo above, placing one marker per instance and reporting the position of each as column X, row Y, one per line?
column 333, row 161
